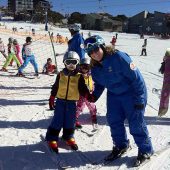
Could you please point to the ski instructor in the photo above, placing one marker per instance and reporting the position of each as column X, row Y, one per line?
column 126, row 97
column 76, row 43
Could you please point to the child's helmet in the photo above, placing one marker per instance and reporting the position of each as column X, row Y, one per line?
column 49, row 60
column 85, row 61
column 10, row 39
column 92, row 42
column 28, row 39
column 75, row 27
column 71, row 55
column 15, row 41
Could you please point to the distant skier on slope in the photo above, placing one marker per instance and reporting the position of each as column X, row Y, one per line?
column 76, row 43
column 84, row 68
column 126, row 97
column 68, row 87
column 165, row 94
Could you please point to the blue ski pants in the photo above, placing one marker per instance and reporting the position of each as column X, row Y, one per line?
column 120, row 108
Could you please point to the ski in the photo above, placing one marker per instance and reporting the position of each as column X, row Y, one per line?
column 55, row 157
column 156, row 91
column 157, row 154
column 89, row 132
column 102, row 162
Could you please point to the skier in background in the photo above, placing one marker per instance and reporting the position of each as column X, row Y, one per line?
column 17, row 51
column 28, row 56
column 126, row 97
column 49, row 68
column 76, row 43
column 11, row 55
column 143, row 52
column 165, row 94
column 113, row 41
column 2, row 48
column 69, row 85
column 84, row 68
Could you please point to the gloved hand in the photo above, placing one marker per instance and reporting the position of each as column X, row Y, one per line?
column 139, row 106
column 51, row 102
column 91, row 98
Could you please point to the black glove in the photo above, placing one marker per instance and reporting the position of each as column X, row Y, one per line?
column 139, row 106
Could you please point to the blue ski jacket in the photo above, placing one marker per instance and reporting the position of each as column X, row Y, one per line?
column 119, row 75
column 77, row 44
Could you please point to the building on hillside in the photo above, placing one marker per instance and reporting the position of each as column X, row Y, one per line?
column 148, row 23
column 26, row 7
column 99, row 22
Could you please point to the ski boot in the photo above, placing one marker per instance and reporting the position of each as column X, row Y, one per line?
column 116, row 153
column 53, row 146
column 4, row 69
column 20, row 75
column 71, row 142
column 78, row 125
column 142, row 157
column 36, row 74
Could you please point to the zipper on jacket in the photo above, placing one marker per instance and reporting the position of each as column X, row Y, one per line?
column 67, row 87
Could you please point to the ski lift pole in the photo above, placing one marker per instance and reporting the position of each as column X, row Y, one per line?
column 53, row 50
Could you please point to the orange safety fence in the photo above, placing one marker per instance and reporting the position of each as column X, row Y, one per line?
column 37, row 36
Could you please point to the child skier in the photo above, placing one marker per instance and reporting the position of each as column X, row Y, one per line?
column 82, row 102
column 49, row 68
column 2, row 48
column 68, row 86
column 28, row 56
column 17, row 50
column 11, row 55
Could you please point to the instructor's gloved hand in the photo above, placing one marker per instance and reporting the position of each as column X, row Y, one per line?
column 51, row 102
column 139, row 106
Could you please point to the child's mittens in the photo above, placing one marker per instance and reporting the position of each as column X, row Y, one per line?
column 51, row 102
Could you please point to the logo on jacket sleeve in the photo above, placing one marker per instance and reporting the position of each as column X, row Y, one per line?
column 82, row 46
column 132, row 66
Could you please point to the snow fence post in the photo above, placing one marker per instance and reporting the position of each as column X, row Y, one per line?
column 53, row 50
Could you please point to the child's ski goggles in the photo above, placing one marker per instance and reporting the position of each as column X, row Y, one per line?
column 71, row 61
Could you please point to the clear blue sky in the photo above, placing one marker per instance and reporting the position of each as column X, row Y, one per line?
column 114, row 7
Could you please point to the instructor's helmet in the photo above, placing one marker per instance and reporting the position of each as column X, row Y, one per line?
column 28, row 39
column 75, row 27
column 71, row 55
column 92, row 43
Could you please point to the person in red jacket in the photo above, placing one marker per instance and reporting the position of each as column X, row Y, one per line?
column 113, row 41
column 49, row 68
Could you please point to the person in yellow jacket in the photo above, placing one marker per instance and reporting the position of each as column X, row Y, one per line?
column 82, row 102
column 68, row 87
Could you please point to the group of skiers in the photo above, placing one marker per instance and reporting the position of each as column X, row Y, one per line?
column 90, row 67
column 27, row 57
column 126, row 95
